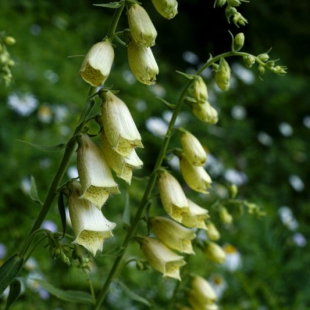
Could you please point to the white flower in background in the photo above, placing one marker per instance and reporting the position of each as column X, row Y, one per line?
column 90, row 227
column 119, row 126
column 244, row 74
column 25, row 185
column 3, row 250
column 173, row 234
column 161, row 258
column 306, row 121
column 264, row 138
column 287, row 218
column 233, row 258
column 190, row 57
column 235, row 177
column 172, row 196
column 44, row 114
column 286, row 129
column 49, row 225
column 94, row 173
column 296, row 182
column 218, row 284
column 156, row 126
column 238, row 112
column 299, row 239
column 23, row 104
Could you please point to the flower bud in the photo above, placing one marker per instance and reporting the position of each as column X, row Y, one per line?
column 166, row 8
column 281, row 70
column 197, row 304
column 222, row 75
column 142, row 29
column 172, row 234
column 195, row 217
column 212, row 231
column 195, row 177
column 238, row 42
column 200, row 91
column 238, row 19
column 172, row 196
column 214, row 252
column 119, row 126
column 205, row 113
column 263, row 57
column 142, row 63
column 9, row 41
column 161, row 258
column 122, row 166
column 202, row 290
column 219, row 3
column 261, row 70
column 233, row 2
column 88, row 223
column 233, row 191
column 249, row 60
column 94, row 173
column 193, row 150
column 225, row 216
column 97, row 63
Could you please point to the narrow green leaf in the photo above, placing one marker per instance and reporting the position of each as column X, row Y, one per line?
column 62, row 212
column 188, row 76
column 9, row 271
column 15, row 288
column 111, row 5
column 67, row 295
column 170, row 105
column 132, row 295
column 126, row 213
column 33, row 191
column 46, row 147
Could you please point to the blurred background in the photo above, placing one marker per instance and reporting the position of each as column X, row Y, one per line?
column 261, row 142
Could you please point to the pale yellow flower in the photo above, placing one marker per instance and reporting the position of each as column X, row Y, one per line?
column 122, row 166
column 193, row 150
column 142, row 63
column 141, row 26
column 161, row 258
column 97, row 63
column 88, row 223
column 215, row 253
column 205, row 112
column 196, row 216
column 172, row 196
column 195, row 177
column 203, row 290
column 119, row 126
column 94, row 173
column 212, row 231
column 199, row 90
column 173, row 234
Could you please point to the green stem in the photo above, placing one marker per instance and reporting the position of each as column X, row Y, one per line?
column 114, row 23
column 62, row 168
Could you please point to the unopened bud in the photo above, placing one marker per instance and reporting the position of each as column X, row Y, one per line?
column 205, row 113
column 142, row 29
column 222, row 75
column 219, row 3
column 263, row 57
column 233, row 191
column 200, row 91
column 233, row 2
column 238, row 42
column 225, row 216
column 229, row 12
column 249, row 60
column 238, row 19
column 212, row 231
column 281, row 70
column 9, row 41
column 215, row 253
column 166, row 8
column 142, row 63
column 261, row 70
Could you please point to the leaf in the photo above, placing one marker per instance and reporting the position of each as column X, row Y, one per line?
column 132, row 295
column 33, row 191
column 9, row 271
column 67, row 295
column 170, row 105
column 57, row 147
column 126, row 213
column 15, row 288
column 111, row 5
column 188, row 76
column 62, row 212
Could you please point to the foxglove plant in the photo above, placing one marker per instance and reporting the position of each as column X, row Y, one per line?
column 177, row 224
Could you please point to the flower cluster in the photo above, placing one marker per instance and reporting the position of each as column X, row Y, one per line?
column 6, row 62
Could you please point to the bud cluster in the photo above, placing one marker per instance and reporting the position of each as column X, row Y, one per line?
column 6, row 62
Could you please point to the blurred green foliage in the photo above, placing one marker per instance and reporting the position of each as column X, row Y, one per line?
column 269, row 142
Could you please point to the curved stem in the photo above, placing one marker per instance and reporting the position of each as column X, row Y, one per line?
column 114, row 23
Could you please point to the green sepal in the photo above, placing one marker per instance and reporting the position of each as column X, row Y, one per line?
column 53, row 148
column 15, row 288
column 67, row 295
column 62, row 213
column 188, row 76
column 111, row 5
column 33, row 191
column 170, row 105
column 9, row 271
column 126, row 213
column 132, row 295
